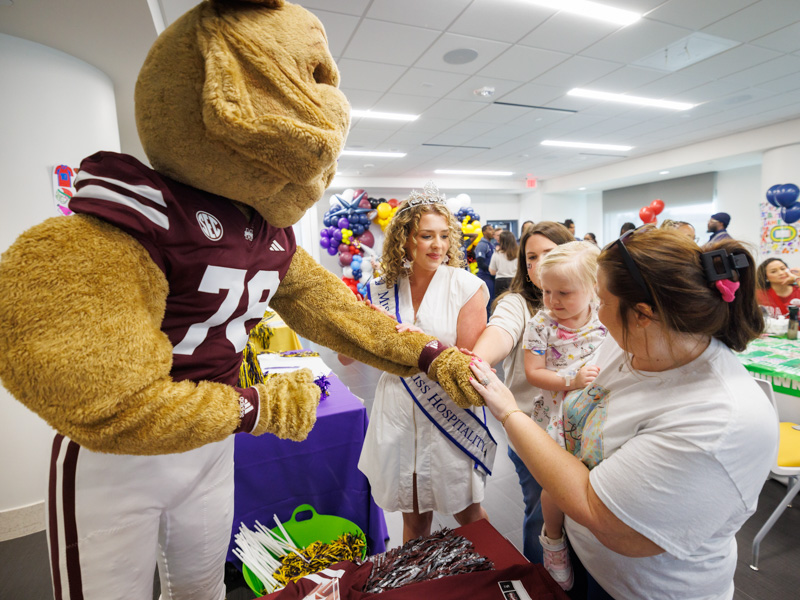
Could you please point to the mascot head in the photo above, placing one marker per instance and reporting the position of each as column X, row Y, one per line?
column 241, row 99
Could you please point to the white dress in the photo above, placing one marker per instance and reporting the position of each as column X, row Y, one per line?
column 400, row 440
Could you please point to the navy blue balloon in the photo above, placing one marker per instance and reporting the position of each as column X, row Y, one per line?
column 787, row 195
column 771, row 195
column 791, row 214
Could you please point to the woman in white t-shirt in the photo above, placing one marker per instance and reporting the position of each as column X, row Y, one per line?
column 667, row 450
column 502, row 340
column 503, row 265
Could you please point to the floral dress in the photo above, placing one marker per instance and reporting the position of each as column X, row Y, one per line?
column 564, row 349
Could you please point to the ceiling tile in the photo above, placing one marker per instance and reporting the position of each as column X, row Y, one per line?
column 531, row 94
column 348, row 7
column 565, row 32
column 696, row 15
column 730, row 61
column 453, row 109
column 576, row 72
column 757, row 20
column 521, row 63
column 625, row 79
column 487, row 51
column 784, row 84
column 363, row 75
column 783, row 40
column 505, row 20
column 767, row 71
column 425, row 82
column 404, row 103
column 466, row 91
column 419, row 13
column 389, row 43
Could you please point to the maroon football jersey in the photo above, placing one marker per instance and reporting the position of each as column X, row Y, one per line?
column 222, row 268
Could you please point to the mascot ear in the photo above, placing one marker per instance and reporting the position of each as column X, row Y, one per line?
column 268, row 94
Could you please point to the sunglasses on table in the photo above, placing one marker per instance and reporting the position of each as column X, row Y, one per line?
column 630, row 264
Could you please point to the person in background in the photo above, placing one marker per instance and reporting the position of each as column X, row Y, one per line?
column 483, row 255
column 626, row 227
column 526, row 226
column 503, row 265
column 681, row 227
column 718, row 227
column 777, row 287
column 411, row 465
column 562, row 340
column 669, row 447
column 502, row 340
column 497, row 232
column 570, row 224
column 591, row 238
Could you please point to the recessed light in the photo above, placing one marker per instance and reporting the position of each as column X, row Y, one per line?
column 369, row 153
column 485, row 91
column 460, row 56
column 663, row 172
column 464, row 172
column 580, row 189
column 593, row 10
column 625, row 99
column 372, row 114
column 586, row 145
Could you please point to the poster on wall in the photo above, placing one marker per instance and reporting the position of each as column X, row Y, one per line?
column 63, row 188
column 777, row 236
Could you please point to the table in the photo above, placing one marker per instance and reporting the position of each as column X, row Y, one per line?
column 274, row 476
column 776, row 360
column 511, row 568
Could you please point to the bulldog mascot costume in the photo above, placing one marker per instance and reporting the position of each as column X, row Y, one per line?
column 123, row 326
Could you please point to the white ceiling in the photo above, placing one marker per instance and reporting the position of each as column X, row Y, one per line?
column 390, row 54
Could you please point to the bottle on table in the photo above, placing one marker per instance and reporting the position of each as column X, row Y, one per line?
column 791, row 333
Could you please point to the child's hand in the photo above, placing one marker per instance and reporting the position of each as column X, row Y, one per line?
column 586, row 375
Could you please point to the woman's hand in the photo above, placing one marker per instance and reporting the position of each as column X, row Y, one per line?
column 379, row 309
column 497, row 396
column 586, row 375
column 401, row 327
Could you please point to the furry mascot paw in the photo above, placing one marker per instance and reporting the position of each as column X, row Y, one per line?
column 123, row 325
column 451, row 370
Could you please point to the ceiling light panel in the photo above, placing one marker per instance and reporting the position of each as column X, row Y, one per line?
column 371, row 153
column 386, row 116
column 625, row 99
column 591, row 10
column 587, row 145
column 467, row 172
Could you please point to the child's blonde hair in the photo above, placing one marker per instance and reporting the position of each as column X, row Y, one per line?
column 577, row 261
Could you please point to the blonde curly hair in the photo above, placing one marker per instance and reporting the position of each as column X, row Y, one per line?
column 405, row 224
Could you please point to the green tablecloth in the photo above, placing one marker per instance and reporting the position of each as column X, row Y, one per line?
column 776, row 360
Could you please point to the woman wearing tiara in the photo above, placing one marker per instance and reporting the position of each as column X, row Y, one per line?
column 422, row 452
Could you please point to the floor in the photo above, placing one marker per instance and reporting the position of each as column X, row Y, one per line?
column 25, row 573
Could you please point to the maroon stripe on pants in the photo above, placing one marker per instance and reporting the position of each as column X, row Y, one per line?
column 52, row 515
column 70, row 522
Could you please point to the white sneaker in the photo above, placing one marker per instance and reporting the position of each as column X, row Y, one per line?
column 556, row 560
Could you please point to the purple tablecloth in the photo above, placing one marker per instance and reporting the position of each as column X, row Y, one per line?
column 274, row 476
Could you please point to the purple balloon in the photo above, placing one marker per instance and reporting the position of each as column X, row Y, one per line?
column 333, row 250
column 325, row 242
column 791, row 214
column 343, row 223
column 337, row 235
column 325, row 233
column 787, row 195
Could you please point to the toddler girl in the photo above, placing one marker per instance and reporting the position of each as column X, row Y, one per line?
column 562, row 339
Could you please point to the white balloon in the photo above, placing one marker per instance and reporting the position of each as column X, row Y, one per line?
column 347, row 272
column 453, row 204
column 334, row 201
column 366, row 266
column 365, row 277
column 348, row 194
column 464, row 199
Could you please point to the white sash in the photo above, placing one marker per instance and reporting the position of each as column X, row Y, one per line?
column 461, row 426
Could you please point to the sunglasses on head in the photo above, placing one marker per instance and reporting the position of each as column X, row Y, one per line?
column 630, row 264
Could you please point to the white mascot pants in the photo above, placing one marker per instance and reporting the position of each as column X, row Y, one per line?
column 112, row 518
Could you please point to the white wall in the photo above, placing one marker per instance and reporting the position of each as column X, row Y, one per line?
column 60, row 111
column 739, row 194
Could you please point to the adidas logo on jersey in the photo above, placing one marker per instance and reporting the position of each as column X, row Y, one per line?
column 244, row 406
column 276, row 247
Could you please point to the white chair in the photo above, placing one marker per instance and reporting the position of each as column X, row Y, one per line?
column 787, row 465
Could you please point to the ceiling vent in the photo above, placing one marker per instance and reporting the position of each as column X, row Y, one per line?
column 686, row 51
